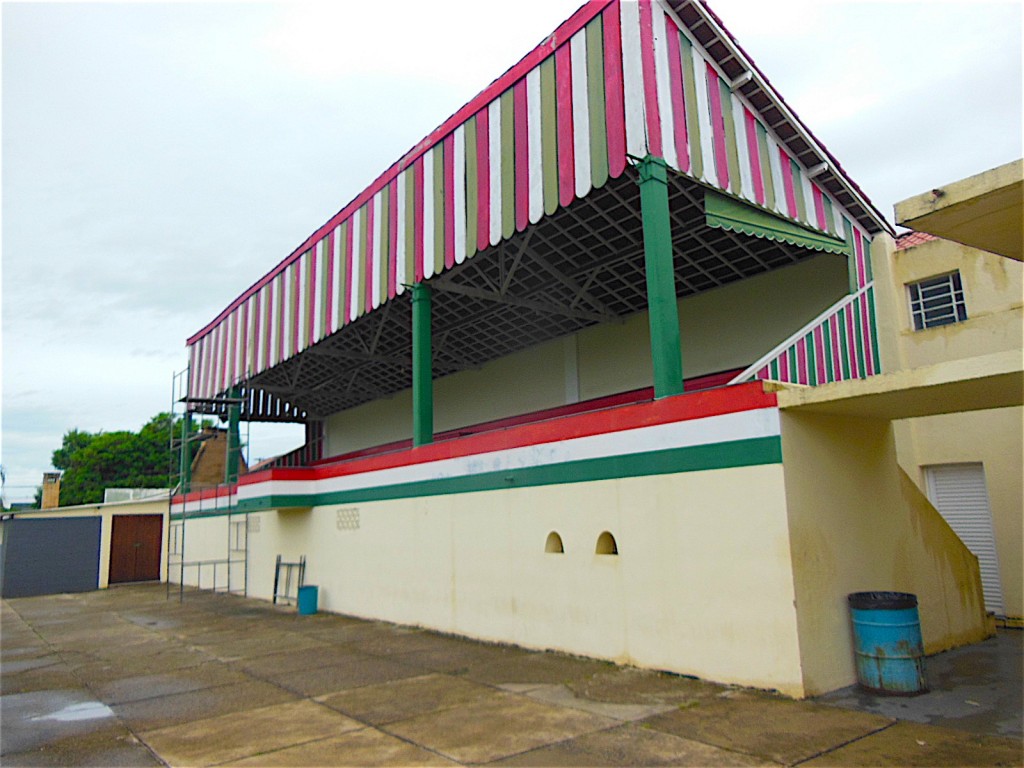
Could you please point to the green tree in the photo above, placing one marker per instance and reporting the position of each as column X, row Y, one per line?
column 94, row 461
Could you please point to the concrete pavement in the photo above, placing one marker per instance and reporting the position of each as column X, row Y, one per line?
column 126, row 677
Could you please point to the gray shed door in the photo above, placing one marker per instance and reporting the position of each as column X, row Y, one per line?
column 958, row 491
column 51, row 555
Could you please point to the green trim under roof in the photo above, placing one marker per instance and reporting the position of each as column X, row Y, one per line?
column 735, row 215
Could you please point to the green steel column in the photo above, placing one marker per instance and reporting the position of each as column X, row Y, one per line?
column 185, row 459
column 661, row 282
column 422, row 373
column 234, row 441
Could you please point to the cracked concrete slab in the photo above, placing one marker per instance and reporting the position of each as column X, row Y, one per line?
column 562, row 696
column 366, row 748
column 404, row 699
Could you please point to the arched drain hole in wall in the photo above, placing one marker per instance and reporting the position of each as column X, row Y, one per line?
column 606, row 545
column 554, row 543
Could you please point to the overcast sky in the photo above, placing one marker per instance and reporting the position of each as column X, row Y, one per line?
column 159, row 158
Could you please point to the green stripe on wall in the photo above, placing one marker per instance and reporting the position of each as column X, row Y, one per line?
column 472, row 213
column 361, row 290
column 549, row 134
column 508, row 165
column 812, row 359
column 766, row 165
column 385, row 243
column 729, row 455
column 844, row 341
column 732, row 153
column 596, row 104
column 410, row 225
column 690, row 99
column 858, row 337
column 826, row 333
column 870, row 297
column 830, row 218
column 798, row 188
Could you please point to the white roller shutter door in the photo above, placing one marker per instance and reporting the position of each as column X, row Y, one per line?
column 958, row 491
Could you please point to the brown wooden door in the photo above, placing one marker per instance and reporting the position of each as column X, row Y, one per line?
column 135, row 548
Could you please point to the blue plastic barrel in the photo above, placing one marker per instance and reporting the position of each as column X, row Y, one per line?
column 887, row 642
column 308, row 598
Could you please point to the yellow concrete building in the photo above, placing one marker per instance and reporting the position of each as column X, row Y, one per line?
column 942, row 300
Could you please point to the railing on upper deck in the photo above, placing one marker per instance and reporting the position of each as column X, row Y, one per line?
column 839, row 344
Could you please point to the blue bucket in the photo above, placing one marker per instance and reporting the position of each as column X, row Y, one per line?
column 887, row 642
column 308, row 598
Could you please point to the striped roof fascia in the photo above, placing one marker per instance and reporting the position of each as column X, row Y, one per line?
column 875, row 221
column 252, row 334
column 499, row 85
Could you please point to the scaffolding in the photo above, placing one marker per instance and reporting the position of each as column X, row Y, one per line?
column 227, row 574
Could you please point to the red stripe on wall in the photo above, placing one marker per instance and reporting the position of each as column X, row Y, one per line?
column 368, row 275
column 483, row 179
column 755, row 156
column 449, row 200
column 698, row 405
column 257, row 337
column 675, row 76
column 819, row 207
column 851, row 341
column 802, row 373
column 349, row 258
column 651, row 109
column 614, row 99
column 718, row 127
column 837, row 363
column 522, row 152
column 312, row 293
column 566, row 153
column 243, row 358
column 819, row 354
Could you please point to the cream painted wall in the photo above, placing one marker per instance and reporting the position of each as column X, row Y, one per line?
column 206, row 539
column 858, row 523
column 994, row 295
column 107, row 513
column 728, row 327
column 702, row 585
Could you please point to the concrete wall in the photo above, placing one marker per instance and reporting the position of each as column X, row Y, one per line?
column 106, row 512
column 858, row 523
column 994, row 295
column 701, row 585
column 721, row 329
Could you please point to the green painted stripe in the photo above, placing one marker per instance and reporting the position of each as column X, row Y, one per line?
column 774, row 369
column 766, row 165
column 830, row 218
column 876, row 359
column 826, row 334
column 361, row 285
column 325, row 257
column 595, row 101
column 851, row 256
column 812, row 358
column 472, row 198
column 690, row 99
column 508, row 165
column 791, row 363
column 410, row 225
column 866, row 246
column 732, row 151
column 549, row 134
column 844, row 344
column 798, row 188
column 730, row 455
column 385, row 243
column 439, row 203
column 341, row 276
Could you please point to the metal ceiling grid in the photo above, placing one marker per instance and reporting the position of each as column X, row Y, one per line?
column 578, row 268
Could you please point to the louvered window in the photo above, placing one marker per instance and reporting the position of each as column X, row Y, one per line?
column 937, row 301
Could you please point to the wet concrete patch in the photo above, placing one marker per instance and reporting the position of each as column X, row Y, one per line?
column 152, row 686
column 631, row 745
column 242, row 734
column 911, row 744
column 971, row 689
column 404, row 699
column 366, row 748
column 498, row 727
column 771, row 727
column 32, row 720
